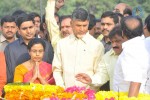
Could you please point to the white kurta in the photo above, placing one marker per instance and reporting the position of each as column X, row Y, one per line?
column 132, row 65
column 147, row 44
column 105, row 69
column 75, row 56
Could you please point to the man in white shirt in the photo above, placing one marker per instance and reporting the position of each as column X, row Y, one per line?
column 106, row 66
column 130, row 73
column 147, row 43
column 79, row 52
column 55, row 32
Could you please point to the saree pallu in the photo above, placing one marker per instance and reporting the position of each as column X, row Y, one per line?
column 45, row 71
column 2, row 72
column 22, row 74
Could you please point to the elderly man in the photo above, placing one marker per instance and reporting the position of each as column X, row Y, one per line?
column 123, row 9
column 79, row 52
column 131, row 70
column 55, row 32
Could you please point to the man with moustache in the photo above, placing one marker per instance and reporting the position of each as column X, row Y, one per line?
column 98, row 35
column 65, row 26
column 108, row 21
column 9, row 29
column 131, row 70
column 106, row 66
column 55, row 32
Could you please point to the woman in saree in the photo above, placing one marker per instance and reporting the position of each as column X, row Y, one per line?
column 35, row 70
column 2, row 71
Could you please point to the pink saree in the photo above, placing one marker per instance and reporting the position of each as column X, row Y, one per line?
column 45, row 71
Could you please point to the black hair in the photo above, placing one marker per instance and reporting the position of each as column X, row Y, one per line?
column 115, row 31
column 41, row 27
column 92, row 22
column 43, row 18
column 34, row 14
column 64, row 17
column 132, row 32
column 56, row 14
column 36, row 41
column 98, row 20
column 127, row 11
column 7, row 18
column 18, row 12
column 23, row 18
column 80, row 14
column 147, row 22
column 119, row 16
column 112, row 15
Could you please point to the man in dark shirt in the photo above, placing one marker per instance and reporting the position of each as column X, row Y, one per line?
column 108, row 21
column 17, row 53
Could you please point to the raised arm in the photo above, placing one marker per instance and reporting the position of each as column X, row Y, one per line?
column 52, row 26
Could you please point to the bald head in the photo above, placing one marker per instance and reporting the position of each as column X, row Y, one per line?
column 132, row 23
column 132, row 27
column 119, row 8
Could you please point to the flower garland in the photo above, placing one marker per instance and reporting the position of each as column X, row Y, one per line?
column 73, row 93
column 30, row 91
column 111, row 95
column 20, row 91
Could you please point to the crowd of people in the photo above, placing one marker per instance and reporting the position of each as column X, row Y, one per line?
column 108, row 53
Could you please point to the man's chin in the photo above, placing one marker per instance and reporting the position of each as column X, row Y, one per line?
column 9, row 37
column 105, row 34
column 117, row 51
column 80, row 36
column 30, row 38
column 65, row 35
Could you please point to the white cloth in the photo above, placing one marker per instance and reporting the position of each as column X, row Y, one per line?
column 147, row 43
column 75, row 56
column 105, row 70
column 132, row 65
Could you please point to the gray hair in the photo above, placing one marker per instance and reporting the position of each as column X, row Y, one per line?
column 80, row 14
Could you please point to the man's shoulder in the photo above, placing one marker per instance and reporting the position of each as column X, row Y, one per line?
column 110, row 54
column 96, row 42
column 66, row 39
column 91, row 38
column 47, row 43
column 14, row 44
